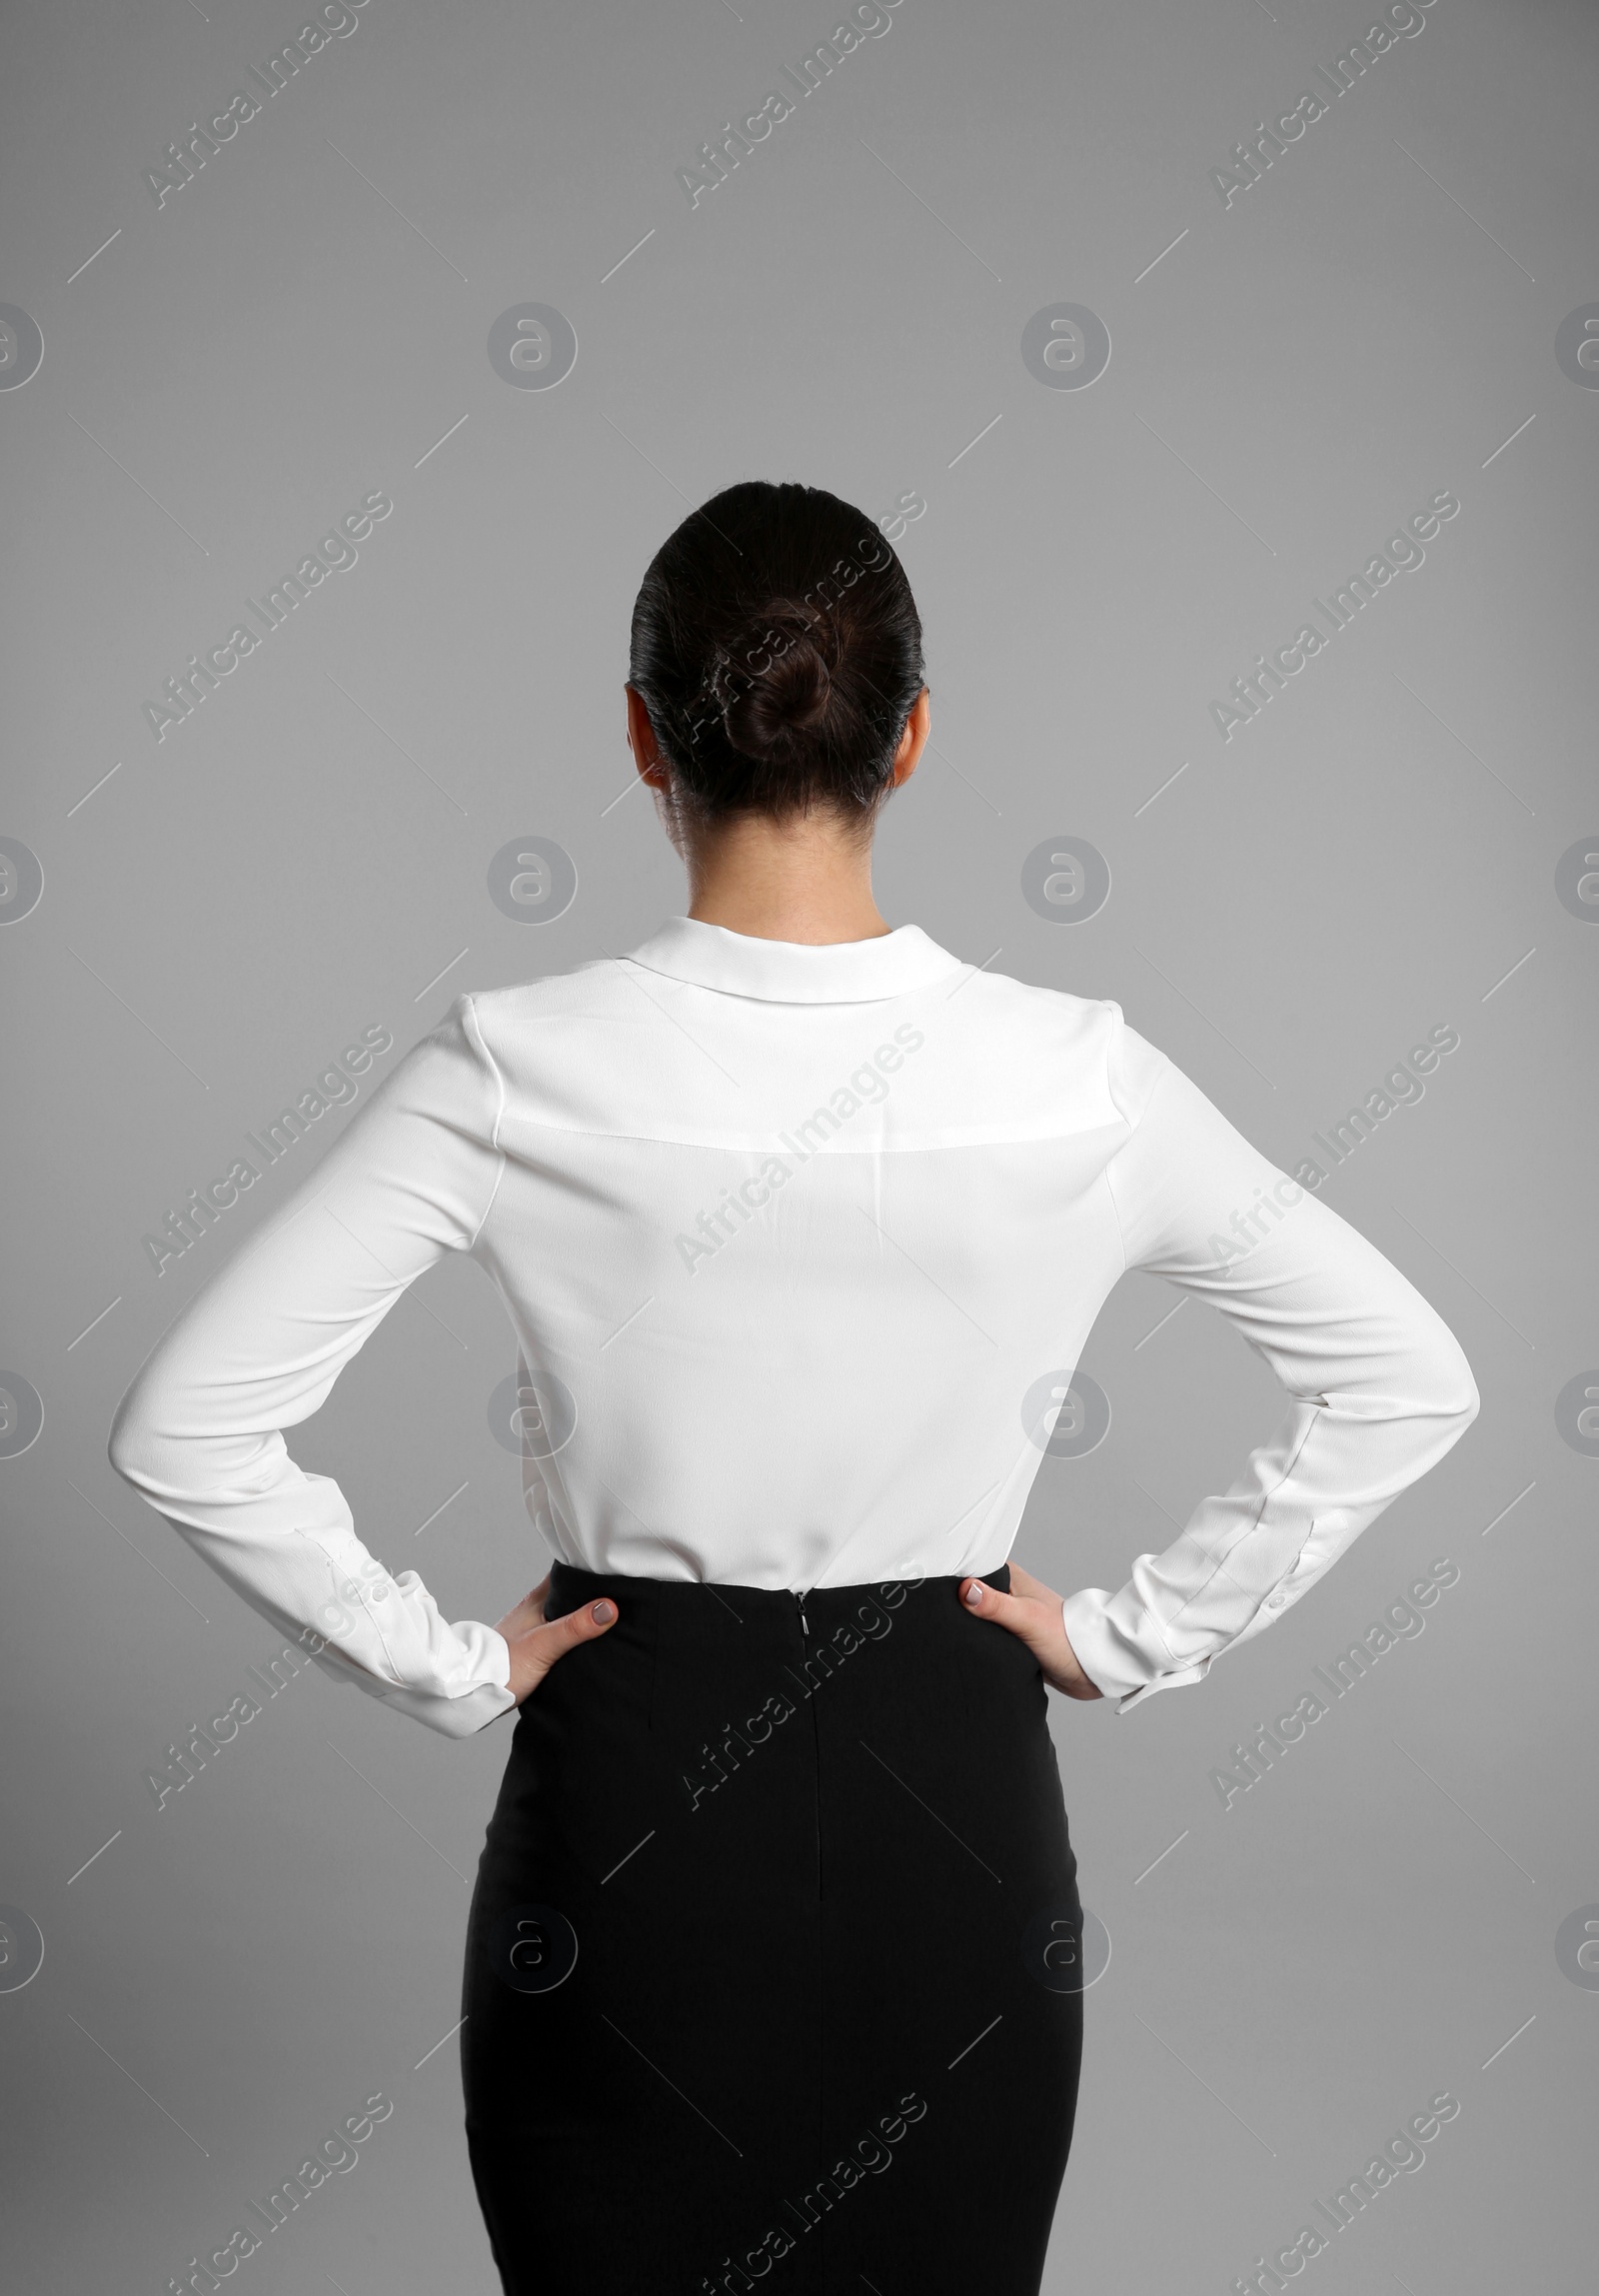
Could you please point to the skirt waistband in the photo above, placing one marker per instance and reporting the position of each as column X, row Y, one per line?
column 572, row 1585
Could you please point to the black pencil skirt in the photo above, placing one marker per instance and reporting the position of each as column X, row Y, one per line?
column 774, row 1959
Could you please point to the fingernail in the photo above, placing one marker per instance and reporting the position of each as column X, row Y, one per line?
column 974, row 1592
column 603, row 1612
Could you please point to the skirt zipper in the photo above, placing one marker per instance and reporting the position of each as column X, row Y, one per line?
column 816, row 1738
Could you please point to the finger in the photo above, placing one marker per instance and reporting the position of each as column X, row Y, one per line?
column 556, row 1636
column 531, row 1606
column 1007, row 1610
column 1038, row 1624
column 526, row 1614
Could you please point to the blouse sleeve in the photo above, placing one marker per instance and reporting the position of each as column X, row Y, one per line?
column 1379, row 1388
column 197, row 1432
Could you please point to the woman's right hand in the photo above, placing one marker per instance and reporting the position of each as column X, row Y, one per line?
column 1032, row 1612
column 536, row 1644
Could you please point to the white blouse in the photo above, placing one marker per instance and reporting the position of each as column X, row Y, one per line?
column 801, row 1245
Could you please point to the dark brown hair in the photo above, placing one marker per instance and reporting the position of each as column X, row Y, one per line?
column 777, row 648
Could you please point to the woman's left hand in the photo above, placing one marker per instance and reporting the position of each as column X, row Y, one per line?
column 536, row 1644
column 1032, row 1612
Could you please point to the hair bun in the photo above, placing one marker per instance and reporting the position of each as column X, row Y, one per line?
column 787, row 695
column 778, row 649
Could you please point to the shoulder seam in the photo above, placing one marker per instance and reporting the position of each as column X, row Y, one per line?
column 1112, row 1008
column 480, row 1045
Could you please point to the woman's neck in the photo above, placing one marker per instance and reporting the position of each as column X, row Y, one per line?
column 802, row 880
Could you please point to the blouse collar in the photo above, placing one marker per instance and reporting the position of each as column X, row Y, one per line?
column 794, row 972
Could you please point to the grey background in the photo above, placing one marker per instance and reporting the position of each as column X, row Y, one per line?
column 1375, row 1920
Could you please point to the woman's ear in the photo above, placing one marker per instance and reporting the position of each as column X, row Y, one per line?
column 913, row 740
column 642, row 741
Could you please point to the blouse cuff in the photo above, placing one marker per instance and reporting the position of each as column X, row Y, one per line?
column 1109, row 1662
column 460, row 1716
